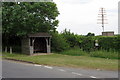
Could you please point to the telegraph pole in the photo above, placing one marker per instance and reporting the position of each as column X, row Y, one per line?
column 102, row 17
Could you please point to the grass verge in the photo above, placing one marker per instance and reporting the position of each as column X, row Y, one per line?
column 68, row 61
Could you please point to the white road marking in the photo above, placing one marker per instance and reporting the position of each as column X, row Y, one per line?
column 92, row 77
column 48, row 67
column 61, row 70
column 76, row 73
column 37, row 65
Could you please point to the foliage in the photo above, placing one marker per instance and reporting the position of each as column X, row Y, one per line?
column 117, row 43
column 59, row 42
column 71, row 38
column 87, row 44
column 84, row 42
column 109, row 43
column 90, row 34
column 21, row 19
column 28, row 17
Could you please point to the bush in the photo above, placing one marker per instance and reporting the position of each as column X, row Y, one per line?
column 105, row 43
column 70, row 37
column 117, row 43
column 109, row 43
column 59, row 42
column 87, row 44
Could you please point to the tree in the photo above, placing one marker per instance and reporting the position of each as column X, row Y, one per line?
column 90, row 34
column 70, row 37
column 20, row 19
column 59, row 43
column 28, row 17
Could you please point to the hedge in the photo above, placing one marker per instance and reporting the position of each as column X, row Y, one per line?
column 87, row 44
column 105, row 43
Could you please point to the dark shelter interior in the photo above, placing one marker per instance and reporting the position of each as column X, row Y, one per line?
column 40, row 45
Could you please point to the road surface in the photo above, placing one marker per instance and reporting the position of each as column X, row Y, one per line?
column 13, row 69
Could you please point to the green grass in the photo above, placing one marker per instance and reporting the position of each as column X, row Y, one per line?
column 105, row 54
column 68, row 61
column 73, row 52
column 98, row 53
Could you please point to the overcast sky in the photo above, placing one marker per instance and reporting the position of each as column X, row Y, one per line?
column 80, row 16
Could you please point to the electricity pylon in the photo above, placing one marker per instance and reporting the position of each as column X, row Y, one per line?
column 102, row 17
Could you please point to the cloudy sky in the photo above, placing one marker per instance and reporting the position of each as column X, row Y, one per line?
column 80, row 16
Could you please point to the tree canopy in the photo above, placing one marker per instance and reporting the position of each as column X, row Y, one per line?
column 23, row 18
column 90, row 34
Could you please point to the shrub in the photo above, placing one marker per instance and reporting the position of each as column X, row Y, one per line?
column 70, row 37
column 108, row 43
column 117, row 43
column 87, row 44
column 59, row 42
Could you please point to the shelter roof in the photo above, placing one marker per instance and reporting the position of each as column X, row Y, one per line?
column 39, row 35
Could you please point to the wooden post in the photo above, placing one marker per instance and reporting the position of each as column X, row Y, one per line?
column 48, row 44
column 10, row 50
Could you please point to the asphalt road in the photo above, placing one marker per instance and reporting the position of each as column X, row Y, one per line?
column 13, row 69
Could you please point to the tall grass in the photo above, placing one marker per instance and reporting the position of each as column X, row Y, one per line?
column 105, row 54
column 98, row 53
column 73, row 52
